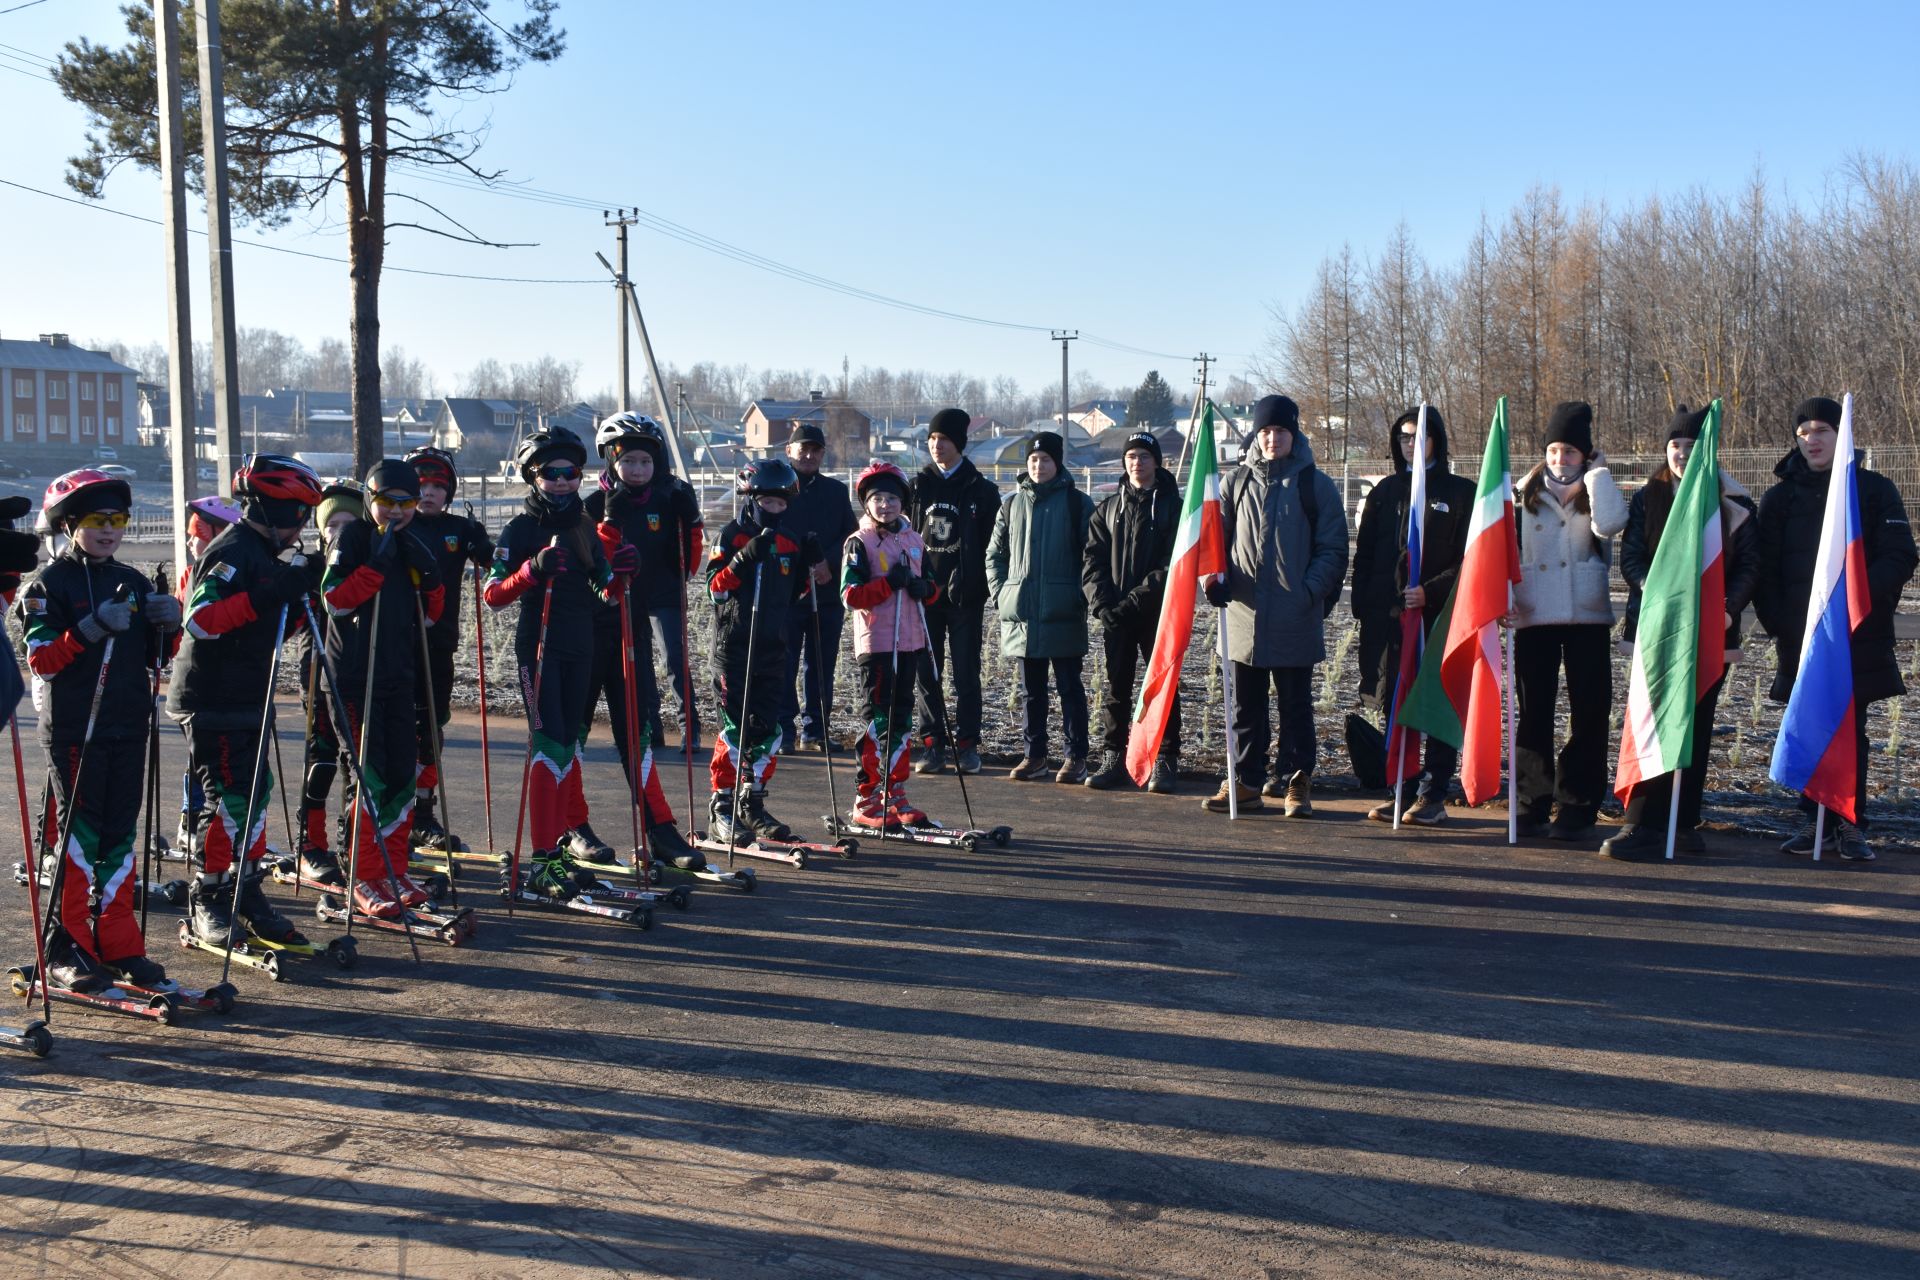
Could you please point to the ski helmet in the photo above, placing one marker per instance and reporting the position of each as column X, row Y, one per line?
column 624, row 431
column 339, row 495
column 881, row 474
column 435, row 466
column 79, row 492
column 206, row 517
column 276, row 490
column 548, row 442
column 769, row 477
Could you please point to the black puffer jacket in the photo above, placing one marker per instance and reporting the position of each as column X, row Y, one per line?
column 1790, row 516
column 1129, row 543
column 1740, row 546
column 1380, row 554
column 954, row 516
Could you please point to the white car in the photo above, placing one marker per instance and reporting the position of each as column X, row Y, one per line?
column 117, row 471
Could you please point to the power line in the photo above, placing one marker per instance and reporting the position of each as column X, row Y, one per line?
column 17, row 8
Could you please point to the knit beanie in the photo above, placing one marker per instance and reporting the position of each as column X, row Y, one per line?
column 1276, row 411
column 1686, row 423
column 1144, row 440
column 390, row 474
column 1817, row 409
column 1571, row 422
column 1049, row 443
column 336, row 501
column 953, row 424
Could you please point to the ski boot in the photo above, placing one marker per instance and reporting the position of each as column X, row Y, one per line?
column 259, row 915
column 429, row 834
column 210, row 909
column 901, row 812
column 870, row 813
column 411, row 894
column 139, row 971
column 183, row 837
column 318, row 865
column 374, row 898
column 754, row 815
column 720, row 818
column 667, row 845
column 583, row 844
column 70, row 968
column 551, row 873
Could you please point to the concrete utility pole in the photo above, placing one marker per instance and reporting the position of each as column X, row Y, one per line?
column 620, row 222
column 213, row 129
column 1193, row 419
column 1063, row 337
column 623, row 290
column 181, row 437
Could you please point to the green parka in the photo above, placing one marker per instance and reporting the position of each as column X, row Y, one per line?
column 1033, row 569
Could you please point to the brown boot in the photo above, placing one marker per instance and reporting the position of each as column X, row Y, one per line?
column 1249, row 798
column 1299, row 799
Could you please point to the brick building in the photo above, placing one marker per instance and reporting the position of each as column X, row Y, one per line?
column 61, row 403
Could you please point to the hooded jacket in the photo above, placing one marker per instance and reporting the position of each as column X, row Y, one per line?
column 1740, row 543
column 66, row 665
column 1790, row 517
column 1566, row 551
column 1033, row 569
column 1380, row 554
column 955, row 515
column 1129, row 545
column 1280, row 571
column 823, row 508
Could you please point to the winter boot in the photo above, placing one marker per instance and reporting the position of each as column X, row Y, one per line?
column 935, row 759
column 1029, row 769
column 1218, row 802
column 374, row 898
column 1073, row 771
column 967, row 759
column 1384, row 811
column 318, row 864
column 666, row 844
column 71, row 969
column 753, row 812
column 1634, row 844
column 1429, row 809
column 583, row 844
column 1113, row 773
column 210, row 909
column 1165, row 779
column 261, row 919
column 1275, row 788
column 1297, row 802
column 138, row 971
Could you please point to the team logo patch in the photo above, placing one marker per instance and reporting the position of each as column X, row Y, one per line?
column 786, row 565
column 502, row 554
column 224, row 572
column 34, row 604
column 653, row 521
column 453, row 541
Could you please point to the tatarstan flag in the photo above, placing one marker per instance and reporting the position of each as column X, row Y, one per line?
column 1679, row 645
column 1457, row 697
column 1199, row 550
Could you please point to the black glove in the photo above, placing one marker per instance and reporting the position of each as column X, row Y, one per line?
column 811, row 552
column 384, row 556
column 899, row 575
column 420, row 561
column 14, row 508
column 19, row 552
column 920, row 588
column 479, row 545
column 758, row 548
column 625, row 559
column 285, row 585
column 1217, row 593
column 549, row 562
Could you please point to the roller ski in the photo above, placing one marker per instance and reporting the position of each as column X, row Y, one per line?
column 265, row 955
column 33, row 1038
column 372, row 906
column 760, row 835
column 908, row 825
column 136, row 986
column 552, row 882
column 675, row 859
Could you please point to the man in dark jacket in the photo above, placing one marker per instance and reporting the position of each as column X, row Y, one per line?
column 1129, row 544
column 1286, row 532
column 1382, row 595
column 821, row 508
column 953, row 507
column 1645, row 832
column 1790, row 519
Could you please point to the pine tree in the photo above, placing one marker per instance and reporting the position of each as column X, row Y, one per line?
column 1152, row 404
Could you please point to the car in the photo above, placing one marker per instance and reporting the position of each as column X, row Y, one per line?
column 117, row 471
column 12, row 471
column 107, row 453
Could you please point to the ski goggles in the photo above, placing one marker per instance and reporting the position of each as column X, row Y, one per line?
column 559, row 471
column 398, row 499
column 104, row 520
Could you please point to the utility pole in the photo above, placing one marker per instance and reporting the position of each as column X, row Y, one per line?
column 623, row 290
column 1063, row 337
column 620, row 221
column 1199, row 407
column 182, row 439
column 213, row 130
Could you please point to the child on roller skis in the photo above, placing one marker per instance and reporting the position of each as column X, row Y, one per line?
column 456, row 541
column 550, row 548
column 883, row 579
column 751, row 550
column 381, row 585
column 341, row 504
column 78, row 603
column 236, row 598
column 648, row 519
column 206, row 517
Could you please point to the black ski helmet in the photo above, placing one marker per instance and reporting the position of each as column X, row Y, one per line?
column 768, row 477
column 548, row 442
column 436, row 466
column 624, row 431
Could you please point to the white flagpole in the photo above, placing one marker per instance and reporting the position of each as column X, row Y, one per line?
column 1506, row 636
column 1226, row 687
column 1673, row 813
column 1819, row 830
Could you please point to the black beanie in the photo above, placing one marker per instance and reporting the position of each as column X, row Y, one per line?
column 1571, row 422
column 1145, row 440
column 1276, row 411
column 1686, row 423
column 389, row 474
column 1817, row 409
column 1049, row 443
column 953, row 424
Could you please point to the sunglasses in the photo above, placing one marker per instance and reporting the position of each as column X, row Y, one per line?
column 401, row 500
column 560, row 473
column 105, row 520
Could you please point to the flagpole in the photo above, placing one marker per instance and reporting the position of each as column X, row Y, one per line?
column 1506, row 647
column 1226, row 687
column 1820, row 829
column 1673, row 812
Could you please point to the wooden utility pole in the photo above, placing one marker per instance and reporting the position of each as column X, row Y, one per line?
column 213, row 131
column 182, row 440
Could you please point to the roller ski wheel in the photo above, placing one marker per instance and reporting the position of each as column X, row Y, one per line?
column 449, row 929
column 344, row 952
column 741, row 878
column 34, row 1038
column 929, row 832
column 794, row 853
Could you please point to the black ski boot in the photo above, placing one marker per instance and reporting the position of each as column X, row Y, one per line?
column 665, row 843
column 754, row 815
column 551, row 874
column 318, row 864
column 261, row 919
column 139, row 971
column 583, row 844
column 70, row 968
column 720, row 818
column 210, row 909
column 429, row 834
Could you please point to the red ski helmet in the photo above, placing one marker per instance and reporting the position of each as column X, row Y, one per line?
column 278, row 491
column 881, row 474
column 435, row 466
column 79, row 492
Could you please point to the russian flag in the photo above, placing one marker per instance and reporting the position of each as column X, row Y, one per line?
column 1814, row 753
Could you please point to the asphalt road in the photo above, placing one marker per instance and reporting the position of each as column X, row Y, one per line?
column 1140, row 1043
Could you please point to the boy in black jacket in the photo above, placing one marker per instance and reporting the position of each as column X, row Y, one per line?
column 953, row 507
column 821, row 507
column 1129, row 545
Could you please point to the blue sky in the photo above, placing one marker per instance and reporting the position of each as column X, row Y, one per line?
column 1157, row 175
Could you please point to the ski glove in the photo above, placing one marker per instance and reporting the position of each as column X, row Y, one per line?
column 480, row 546
column 286, row 586
column 811, row 552
column 1217, row 593
column 420, row 561
column 898, row 575
column 625, row 559
column 549, row 562
column 163, row 611
column 920, row 588
column 114, row 616
column 758, row 548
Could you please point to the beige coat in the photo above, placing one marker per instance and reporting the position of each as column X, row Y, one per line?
column 1566, row 554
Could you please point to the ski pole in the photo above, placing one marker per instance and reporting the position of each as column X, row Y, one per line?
column 893, row 696
column 826, row 723
column 366, row 797
column 30, row 848
column 437, row 738
column 686, row 698
column 946, row 729
column 152, row 796
column 636, row 768
column 255, row 785
column 533, row 722
column 486, row 750
column 740, row 725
